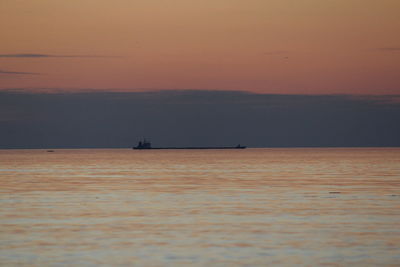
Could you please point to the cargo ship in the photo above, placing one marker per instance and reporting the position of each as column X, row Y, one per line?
column 147, row 145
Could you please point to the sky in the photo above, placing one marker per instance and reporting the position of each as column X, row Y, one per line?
column 263, row 73
column 261, row 46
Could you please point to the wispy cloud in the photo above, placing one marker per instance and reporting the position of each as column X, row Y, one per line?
column 389, row 49
column 26, row 55
column 277, row 52
column 18, row 72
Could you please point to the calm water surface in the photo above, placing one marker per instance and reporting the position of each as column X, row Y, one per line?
column 256, row 207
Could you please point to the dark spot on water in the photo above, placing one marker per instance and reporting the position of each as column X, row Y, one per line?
column 333, row 192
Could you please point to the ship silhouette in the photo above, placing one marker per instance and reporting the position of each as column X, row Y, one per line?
column 145, row 144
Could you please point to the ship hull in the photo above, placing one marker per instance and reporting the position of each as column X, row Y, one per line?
column 241, row 147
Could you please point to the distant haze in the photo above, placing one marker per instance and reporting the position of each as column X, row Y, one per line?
column 195, row 118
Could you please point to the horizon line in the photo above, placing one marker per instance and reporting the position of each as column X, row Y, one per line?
column 170, row 90
column 248, row 147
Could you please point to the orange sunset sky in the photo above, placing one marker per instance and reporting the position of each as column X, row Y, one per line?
column 264, row 46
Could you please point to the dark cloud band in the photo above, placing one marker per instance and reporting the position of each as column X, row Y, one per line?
column 197, row 118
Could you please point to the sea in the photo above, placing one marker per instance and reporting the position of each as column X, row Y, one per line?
column 245, row 207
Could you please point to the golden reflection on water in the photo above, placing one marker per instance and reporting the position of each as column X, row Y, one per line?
column 247, row 207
